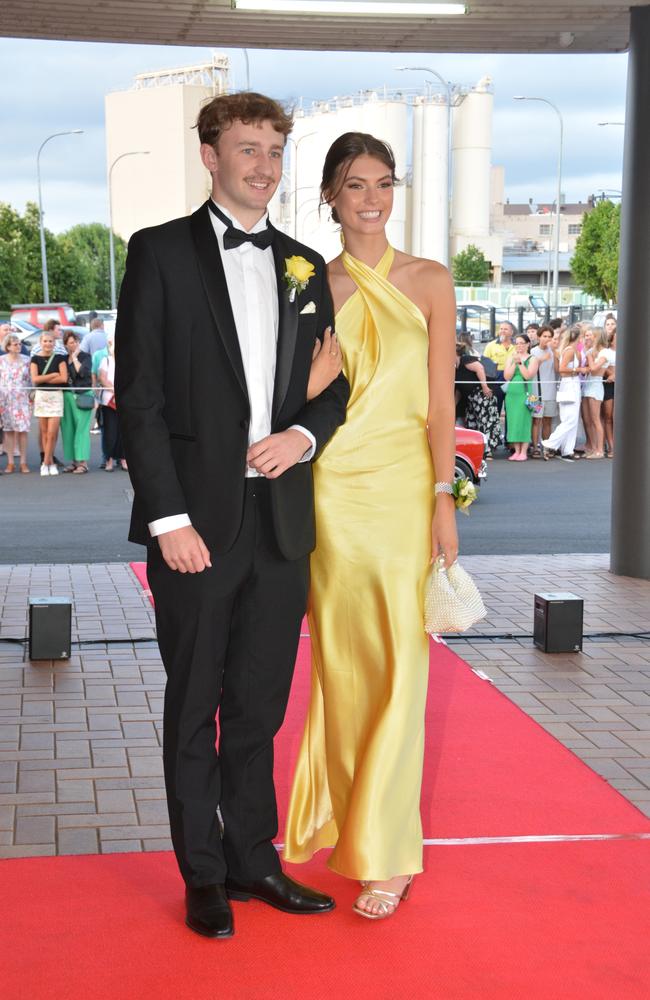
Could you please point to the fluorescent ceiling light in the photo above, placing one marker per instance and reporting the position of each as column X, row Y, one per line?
column 393, row 8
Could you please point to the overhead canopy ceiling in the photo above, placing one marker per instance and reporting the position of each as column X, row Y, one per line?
column 526, row 26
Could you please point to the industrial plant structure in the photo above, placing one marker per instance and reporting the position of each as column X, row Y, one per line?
column 436, row 134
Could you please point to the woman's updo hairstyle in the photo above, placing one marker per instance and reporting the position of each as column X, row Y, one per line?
column 342, row 154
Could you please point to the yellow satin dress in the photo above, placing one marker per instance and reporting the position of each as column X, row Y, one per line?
column 359, row 772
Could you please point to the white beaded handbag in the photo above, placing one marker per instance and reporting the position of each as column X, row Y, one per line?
column 452, row 602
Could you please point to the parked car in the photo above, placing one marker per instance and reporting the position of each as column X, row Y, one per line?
column 470, row 455
column 25, row 329
column 28, row 333
column 39, row 313
column 534, row 307
column 598, row 318
column 108, row 317
column 29, row 338
column 478, row 319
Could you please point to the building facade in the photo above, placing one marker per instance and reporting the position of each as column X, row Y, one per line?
column 156, row 118
column 155, row 172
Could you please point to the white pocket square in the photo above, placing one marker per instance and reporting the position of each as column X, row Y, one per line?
column 309, row 308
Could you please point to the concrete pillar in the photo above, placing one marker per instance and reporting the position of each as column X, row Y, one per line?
column 630, row 551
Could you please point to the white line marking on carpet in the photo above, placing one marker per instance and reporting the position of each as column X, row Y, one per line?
column 552, row 838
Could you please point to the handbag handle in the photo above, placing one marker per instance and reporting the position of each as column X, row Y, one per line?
column 47, row 366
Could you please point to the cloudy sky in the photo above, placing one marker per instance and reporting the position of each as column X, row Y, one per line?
column 52, row 86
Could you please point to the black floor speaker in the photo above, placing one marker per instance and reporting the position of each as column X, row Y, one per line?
column 50, row 628
column 558, row 623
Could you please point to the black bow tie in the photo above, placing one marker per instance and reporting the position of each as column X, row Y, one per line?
column 235, row 237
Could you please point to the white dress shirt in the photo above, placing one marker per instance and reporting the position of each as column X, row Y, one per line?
column 252, row 286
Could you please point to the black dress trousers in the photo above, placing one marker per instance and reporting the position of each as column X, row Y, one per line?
column 228, row 638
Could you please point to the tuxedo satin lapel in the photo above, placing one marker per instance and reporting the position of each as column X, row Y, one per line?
column 287, row 327
column 214, row 281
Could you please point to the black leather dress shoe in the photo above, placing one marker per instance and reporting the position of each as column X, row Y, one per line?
column 208, row 911
column 281, row 892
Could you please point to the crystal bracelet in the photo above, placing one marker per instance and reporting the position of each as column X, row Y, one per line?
column 443, row 488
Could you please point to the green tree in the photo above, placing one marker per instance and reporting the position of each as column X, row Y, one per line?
column 20, row 255
column 69, row 276
column 70, row 272
column 77, row 261
column 470, row 267
column 12, row 260
column 31, row 248
column 594, row 264
column 92, row 239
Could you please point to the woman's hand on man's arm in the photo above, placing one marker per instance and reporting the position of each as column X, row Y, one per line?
column 326, row 364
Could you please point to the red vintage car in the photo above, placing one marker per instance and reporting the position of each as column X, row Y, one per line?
column 470, row 455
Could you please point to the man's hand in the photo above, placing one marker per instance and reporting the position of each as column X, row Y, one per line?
column 184, row 550
column 276, row 453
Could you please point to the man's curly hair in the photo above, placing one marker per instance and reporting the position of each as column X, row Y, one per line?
column 218, row 115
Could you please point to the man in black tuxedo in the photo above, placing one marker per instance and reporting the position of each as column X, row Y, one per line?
column 213, row 356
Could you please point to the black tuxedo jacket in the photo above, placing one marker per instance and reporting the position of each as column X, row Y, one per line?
column 181, row 391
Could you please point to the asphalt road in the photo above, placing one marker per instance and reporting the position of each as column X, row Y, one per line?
column 532, row 507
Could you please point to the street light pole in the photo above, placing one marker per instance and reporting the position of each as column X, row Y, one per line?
column 556, row 248
column 46, row 287
column 448, row 88
column 290, row 195
column 248, row 70
column 111, row 242
column 313, row 211
column 296, row 143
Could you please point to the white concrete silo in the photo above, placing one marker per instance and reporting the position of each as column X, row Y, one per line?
column 429, row 203
column 313, row 133
column 388, row 120
column 472, row 153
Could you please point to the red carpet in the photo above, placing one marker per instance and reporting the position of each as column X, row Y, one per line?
column 504, row 921
column 140, row 572
column 490, row 770
column 507, row 922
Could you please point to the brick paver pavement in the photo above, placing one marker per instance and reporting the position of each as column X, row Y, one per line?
column 80, row 764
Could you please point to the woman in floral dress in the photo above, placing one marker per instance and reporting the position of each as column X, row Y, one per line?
column 15, row 407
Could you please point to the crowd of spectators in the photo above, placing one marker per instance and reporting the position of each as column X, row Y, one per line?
column 544, row 393
column 65, row 382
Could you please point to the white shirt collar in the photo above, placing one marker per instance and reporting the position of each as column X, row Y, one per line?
column 257, row 228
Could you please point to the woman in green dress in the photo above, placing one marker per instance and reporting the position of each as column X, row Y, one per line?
column 519, row 369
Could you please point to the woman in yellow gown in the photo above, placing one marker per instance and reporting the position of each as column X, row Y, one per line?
column 358, row 778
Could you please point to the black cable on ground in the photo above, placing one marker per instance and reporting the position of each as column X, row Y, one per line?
column 529, row 635
column 86, row 642
column 449, row 637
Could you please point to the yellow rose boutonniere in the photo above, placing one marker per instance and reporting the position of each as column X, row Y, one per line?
column 297, row 275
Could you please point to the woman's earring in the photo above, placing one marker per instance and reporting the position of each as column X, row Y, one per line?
column 342, row 239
